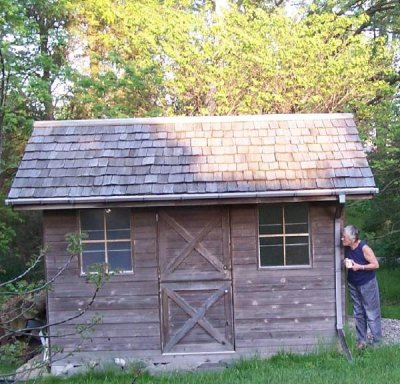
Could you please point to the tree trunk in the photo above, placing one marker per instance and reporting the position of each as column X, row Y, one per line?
column 3, row 93
column 44, row 49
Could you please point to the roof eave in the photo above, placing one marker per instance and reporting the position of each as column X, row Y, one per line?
column 72, row 202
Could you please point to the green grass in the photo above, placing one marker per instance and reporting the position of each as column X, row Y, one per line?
column 371, row 366
column 388, row 279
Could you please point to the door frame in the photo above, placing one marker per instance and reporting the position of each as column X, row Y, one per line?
column 167, row 286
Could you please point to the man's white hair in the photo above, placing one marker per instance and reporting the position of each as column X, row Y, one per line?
column 352, row 232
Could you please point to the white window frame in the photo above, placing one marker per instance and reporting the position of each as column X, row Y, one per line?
column 106, row 241
column 284, row 236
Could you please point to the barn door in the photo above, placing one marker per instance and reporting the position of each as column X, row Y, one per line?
column 195, row 280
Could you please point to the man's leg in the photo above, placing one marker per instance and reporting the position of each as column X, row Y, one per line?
column 359, row 315
column 371, row 302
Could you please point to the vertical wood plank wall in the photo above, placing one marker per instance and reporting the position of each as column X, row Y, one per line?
column 274, row 309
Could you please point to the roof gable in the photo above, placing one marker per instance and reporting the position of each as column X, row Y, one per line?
column 106, row 160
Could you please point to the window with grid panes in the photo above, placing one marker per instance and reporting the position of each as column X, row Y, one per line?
column 284, row 236
column 107, row 240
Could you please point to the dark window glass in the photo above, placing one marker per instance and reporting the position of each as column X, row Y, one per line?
column 271, row 255
column 108, row 239
column 118, row 224
column 296, row 240
column 119, row 256
column 296, row 218
column 297, row 254
column 93, row 253
column 283, row 235
column 270, row 219
column 92, row 223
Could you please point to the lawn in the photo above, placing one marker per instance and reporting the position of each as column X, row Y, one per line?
column 371, row 366
column 389, row 279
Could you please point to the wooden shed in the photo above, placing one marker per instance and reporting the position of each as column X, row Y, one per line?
column 220, row 235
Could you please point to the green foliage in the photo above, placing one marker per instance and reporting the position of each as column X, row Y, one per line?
column 388, row 278
column 74, row 244
column 15, row 254
column 123, row 91
column 33, row 41
column 32, row 46
column 10, row 354
column 8, row 219
column 380, row 218
column 22, row 286
column 98, row 274
column 196, row 63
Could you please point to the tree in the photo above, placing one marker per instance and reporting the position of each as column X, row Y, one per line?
column 382, row 16
column 33, row 43
column 32, row 60
column 269, row 63
column 246, row 62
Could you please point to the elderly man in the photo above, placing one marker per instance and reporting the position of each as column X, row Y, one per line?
column 363, row 286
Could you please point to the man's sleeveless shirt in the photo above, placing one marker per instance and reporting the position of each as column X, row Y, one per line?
column 357, row 255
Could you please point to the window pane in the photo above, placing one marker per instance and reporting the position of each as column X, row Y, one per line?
column 270, row 219
column 92, row 254
column 296, row 218
column 271, row 251
column 116, row 234
column 119, row 246
column 271, row 256
column 296, row 240
column 93, row 247
column 120, row 256
column 297, row 254
column 92, row 223
column 118, row 224
column 271, row 241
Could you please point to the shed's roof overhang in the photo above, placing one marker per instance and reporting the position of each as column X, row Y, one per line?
column 185, row 199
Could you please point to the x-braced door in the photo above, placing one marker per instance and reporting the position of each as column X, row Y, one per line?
column 195, row 280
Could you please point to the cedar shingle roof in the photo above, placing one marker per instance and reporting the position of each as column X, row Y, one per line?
column 192, row 157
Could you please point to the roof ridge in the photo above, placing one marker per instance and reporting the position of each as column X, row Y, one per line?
column 194, row 119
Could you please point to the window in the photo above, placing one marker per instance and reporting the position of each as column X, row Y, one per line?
column 108, row 239
column 283, row 235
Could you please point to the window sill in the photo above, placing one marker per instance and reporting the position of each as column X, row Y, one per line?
column 282, row 267
column 124, row 273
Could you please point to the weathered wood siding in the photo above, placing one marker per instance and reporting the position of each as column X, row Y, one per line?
column 273, row 309
column 278, row 309
column 128, row 305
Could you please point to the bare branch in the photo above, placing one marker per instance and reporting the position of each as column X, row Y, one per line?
column 389, row 184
